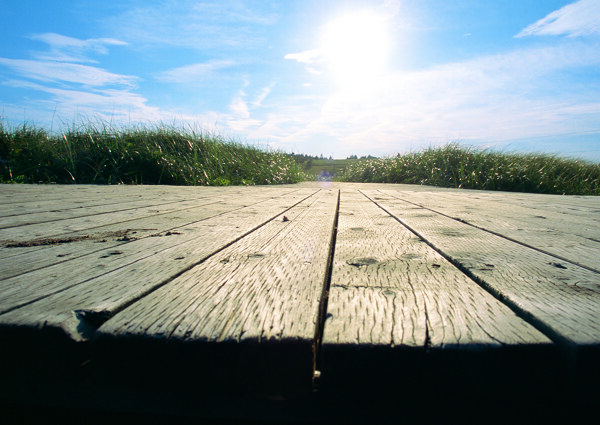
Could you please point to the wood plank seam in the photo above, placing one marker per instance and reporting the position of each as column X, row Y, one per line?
column 554, row 336
column 252, row 310
column 154, row 288
column 106, row 235
column 103, row 225
column 525, row 244
column 93, row 215
column 171, row 334
column 319, row 329
column 428, row 344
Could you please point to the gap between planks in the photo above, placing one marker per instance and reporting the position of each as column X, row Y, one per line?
column 560, row 302
column 327, row 279
column 252, row 312
column 401, row 319
column 83, row 242
column 497, row 233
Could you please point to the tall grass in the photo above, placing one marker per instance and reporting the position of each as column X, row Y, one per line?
column 464, row 167
column 142, row 155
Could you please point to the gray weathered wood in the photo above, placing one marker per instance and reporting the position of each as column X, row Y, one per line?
column 562, row 298
column 129, row 268
column 55, row 227
column 45, row 210
column 524, row 219
column 231, row 299
column 379, row 259
column 253, row 309
column 107, row 237
column 392, row 295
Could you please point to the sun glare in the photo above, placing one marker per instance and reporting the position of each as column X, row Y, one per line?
column 355, row 47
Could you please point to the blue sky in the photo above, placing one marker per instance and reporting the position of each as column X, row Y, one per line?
column 314, row 76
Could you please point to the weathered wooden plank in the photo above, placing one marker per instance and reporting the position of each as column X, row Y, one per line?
column 61, row 324
column 51, row 201
column 562, row 300
column 52, row 224
column 552, row 207
column 104, row 238
column 433, row 336
column 393, row 297
column 565, row 298
column 85, row 205
column 173, row 253
column 571, row 205
column 245, row 319
column 47, row 198
column 557, row 233
column 69, row 225
column 39, row 196
column 91, row 209
column 45, row 252
column 204, row 196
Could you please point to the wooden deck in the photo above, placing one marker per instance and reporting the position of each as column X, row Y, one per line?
column 181, row 299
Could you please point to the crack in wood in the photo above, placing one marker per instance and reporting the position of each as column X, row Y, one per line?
column 323, row 313
column 121, row 235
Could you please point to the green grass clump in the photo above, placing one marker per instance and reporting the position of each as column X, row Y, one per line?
column 158, row 155
column 468, row 168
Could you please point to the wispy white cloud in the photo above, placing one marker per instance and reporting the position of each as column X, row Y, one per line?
column 193, row 24
column 575, row 19
column 51, row 71
column 71, row 86
column 262, row 95
column 118, row 106
column 306, row 56
column 194, row 73
column 239, row 107
column 117, row 103
column 492, row 98
column 243, row 113
column 313, row 60
column 69, row 49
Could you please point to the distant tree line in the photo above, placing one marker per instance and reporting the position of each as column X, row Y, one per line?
column 362, row 157
column 306, row 161
column 301, row 158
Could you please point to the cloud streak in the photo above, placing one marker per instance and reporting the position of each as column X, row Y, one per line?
column 492, row 98
column 195, row 72
column 69, row 49
column 576, row 19
column 71, row 85
column 51, row 71
column 192, row 24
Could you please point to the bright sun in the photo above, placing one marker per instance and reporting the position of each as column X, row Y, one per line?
column 355, row 47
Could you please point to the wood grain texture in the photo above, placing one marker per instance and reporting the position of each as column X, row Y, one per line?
column 560, row 299
column 563, row 298
column 253, row 309
column 195, row 299
column 131, row 269
column 126, row 206
column 394, row 297
column 568, row 231
column 45, row 210
column 73, row 302
column 72, row 245
column 56, row 227
column 378, row 257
